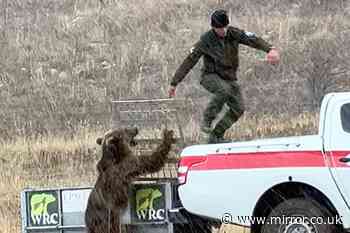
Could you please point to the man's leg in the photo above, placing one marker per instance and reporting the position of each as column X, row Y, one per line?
column 236, row 110
column 212, row 110
column 215, row 85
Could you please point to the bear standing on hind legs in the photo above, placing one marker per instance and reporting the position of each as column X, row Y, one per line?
column 117, row 169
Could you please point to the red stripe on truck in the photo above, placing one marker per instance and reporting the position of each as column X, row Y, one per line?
column 336, row 156
column 264, row 160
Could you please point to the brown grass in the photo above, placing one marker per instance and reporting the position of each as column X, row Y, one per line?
column 61, row 62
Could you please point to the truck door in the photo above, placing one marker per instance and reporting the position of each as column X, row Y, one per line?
column 337, row 143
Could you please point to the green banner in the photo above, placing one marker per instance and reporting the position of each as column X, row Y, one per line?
column 148, row 203
column 43, row 208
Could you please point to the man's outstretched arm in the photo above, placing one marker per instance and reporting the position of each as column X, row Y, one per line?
column 190, row 61
column 250, row 39
column 253, row 41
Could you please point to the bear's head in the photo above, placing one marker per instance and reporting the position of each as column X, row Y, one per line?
column 114, row 136
column 114, row 144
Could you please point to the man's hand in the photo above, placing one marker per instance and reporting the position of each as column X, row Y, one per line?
column 273, row 57
column 172, row 91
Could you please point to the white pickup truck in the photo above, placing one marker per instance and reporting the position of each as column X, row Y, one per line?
column 284, row 185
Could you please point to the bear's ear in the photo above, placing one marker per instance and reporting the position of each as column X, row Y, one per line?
column 99, row 141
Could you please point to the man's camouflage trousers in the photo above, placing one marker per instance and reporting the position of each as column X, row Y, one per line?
column 224, row 91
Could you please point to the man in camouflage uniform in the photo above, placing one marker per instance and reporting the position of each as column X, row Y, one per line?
column 219, row 48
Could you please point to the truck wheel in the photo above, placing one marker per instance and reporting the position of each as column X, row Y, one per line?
column 300, row 215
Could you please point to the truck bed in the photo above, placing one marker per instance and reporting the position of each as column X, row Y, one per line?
column 298, row 143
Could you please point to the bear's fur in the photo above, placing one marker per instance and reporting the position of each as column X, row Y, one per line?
column 117, row 168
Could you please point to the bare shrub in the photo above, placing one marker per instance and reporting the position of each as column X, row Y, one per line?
column 323, row 64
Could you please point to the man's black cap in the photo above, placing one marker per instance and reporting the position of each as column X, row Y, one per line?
column 219, row 19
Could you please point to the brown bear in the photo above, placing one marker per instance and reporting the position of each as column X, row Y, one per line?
column 117, row 168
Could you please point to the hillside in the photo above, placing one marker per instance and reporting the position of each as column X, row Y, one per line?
column 62, row 62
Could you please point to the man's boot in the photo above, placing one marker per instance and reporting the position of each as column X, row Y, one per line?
column 205, row 130
column 217, row 135
column 206, row 127
column 214, row 139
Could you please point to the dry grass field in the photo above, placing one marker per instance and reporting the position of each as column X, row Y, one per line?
column 63, row 61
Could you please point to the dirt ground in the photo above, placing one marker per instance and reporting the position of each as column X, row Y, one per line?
column 233, row 229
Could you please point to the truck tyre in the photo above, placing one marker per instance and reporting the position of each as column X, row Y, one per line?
column 300, row 215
